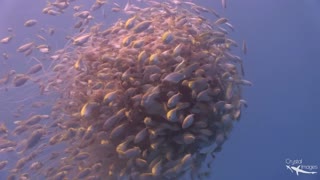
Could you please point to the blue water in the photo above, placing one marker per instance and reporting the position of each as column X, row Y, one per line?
column 282, row 120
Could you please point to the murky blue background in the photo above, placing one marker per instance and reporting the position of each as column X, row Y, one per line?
column 283, row 62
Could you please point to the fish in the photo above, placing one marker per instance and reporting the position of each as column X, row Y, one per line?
column 28, row 52
column 60, row 5
column 123, row 146
column 116, row 9
column 149, row 122
column 6, row 40
column 177, row 50
column 118, row 131
column 21, row 162
column 44, row 50
column 41, row 37
column 111, row 97
column 20, row 79
column 78, row 24
column 188, row 138
column 206, row 132
column 205, row 96
column 142, row 57
column 4, row 143
column 25, row 47
column 131, row 153
column 174, row 78
column 137, row 43
column 3, row 129
column 60, row 175
column 88, row 109
column 51, row 31
column 111, row 121
column 142, row 26
column 230, row 26
column 5, row 55
column 186, row 160
column 140, row 136
column 6, row 78
column 97, row 5
column 220, row 139
column 83, row 173
column 127, row 41
column 82, row 14
column 167, row 37
column 172, row 115
column 244, row 47
column 130, row 22
column 141, row 162
column 80, row 65
column 36, row 166
column 154, row 59
column 244, row 82
column 34, row 69
column 82, row 156
column 224, row 3
column 3, row 164
column 34, row 119
column 97, row 167
column 157, row 168
column 188, row 121
column 76, row 8
column 198, row 85
column 174, row 100
column 80, row 40
column 53, row 12
column 88, row 133
column 221, row 21
column 30, row 23
column 128, row 6
column 34, row 138
column 66, row 168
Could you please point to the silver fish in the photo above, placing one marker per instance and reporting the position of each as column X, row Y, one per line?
column 142, row 26
column 141, row 135
column 20, row 79
column 82, row 156
column 174, row 100
column 188, row 121
column 174, row 78
column 221, row 21
column 79, row 41
column 25, row 47
column 188, row 138
column 224, row 3
column 84, row 173
column 6, row 40
column 244, row 47
column 118, row 131
column 30, row 22
column 35, row 138
column 34, row 69
column 132, row 152
column 3, row 164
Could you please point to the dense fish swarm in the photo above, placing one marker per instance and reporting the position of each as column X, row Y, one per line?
column 151, row 97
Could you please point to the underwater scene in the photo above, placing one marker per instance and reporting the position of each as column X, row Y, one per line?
column 159, row 90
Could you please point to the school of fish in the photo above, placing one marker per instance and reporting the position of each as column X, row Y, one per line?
column 153, row 96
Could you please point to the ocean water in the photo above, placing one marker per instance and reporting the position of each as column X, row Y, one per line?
column 281, row 123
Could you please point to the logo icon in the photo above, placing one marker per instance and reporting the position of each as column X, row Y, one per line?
column 298, row 166
column 298, row 170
